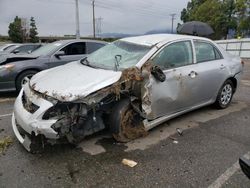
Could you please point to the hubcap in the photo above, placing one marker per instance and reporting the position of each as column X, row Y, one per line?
column 26, row 79
column 226, row 94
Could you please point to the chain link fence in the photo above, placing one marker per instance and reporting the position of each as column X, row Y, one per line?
column 239, row 47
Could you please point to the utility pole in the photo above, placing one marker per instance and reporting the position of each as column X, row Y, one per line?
column 99, row 26
column 93, row 6
column 77, row 21
column 173, row 18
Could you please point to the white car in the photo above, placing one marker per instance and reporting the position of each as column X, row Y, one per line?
column 128, row 86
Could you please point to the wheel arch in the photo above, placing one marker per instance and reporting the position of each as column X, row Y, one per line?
column 234, row 81
column 21, row 72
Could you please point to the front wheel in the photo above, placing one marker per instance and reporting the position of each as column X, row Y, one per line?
column 225, row 95
column 125, row 123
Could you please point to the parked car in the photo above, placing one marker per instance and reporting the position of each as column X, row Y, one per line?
column 129, row 86
column 22, row 49
column 15, row 70
column 5, row 47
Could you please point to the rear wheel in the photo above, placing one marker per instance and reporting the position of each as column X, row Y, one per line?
column 225, row 95
column 23, row 78
column 126, row 124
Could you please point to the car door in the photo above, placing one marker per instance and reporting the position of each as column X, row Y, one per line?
column 211, row 69
column 72, row 52
column 176, row 93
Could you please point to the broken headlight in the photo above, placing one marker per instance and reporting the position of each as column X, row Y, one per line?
column 61, row 110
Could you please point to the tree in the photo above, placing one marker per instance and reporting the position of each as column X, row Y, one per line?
column 15, row 30
column 211, row 12
column 33, row 31
column 243, row 13
column 222, row 15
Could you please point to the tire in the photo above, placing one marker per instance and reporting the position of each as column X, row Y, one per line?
column 125, row 123
column 225, row 95
column 22, row 78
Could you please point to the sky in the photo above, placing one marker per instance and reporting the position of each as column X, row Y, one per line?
column 57, row 17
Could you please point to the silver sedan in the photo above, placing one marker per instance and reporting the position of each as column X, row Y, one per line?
column 129, row 86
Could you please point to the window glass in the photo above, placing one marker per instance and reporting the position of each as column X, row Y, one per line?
column 93, row 46
column 26, row 48
column 129, row 55
column 47, row 49
column 217, row 54
column 205, row 52
column 175, row 55
column 75, row 49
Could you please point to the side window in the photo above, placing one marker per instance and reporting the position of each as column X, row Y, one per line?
column 77, row 48
column 206, row 52
column 93, row 46
column 217, row 54
column 174, row 55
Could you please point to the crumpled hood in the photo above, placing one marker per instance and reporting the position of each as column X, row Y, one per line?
column 73, row 81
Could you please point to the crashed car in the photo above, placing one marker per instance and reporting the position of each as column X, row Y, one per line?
column 129, row 87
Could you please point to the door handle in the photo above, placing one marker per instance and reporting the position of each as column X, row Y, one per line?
column 193, row 74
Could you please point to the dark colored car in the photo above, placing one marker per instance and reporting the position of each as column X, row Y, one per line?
column 20, row 49
column 15, row 70
column 4, row 47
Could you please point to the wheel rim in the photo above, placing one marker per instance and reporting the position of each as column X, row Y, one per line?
column 226, row 94
column 26, row 79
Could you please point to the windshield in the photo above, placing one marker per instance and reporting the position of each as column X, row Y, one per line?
column 47, row 49
column 129, row 55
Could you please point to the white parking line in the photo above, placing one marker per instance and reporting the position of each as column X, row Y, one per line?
column 227, row 174
column 5, row 115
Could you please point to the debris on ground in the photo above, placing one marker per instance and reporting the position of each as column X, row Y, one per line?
column 175, row 142
column 179, row 131
column 129, row 163
column 5, row 143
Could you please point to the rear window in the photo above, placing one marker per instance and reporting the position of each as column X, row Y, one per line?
column 206, row 52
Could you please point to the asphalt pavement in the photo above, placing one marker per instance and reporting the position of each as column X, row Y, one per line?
column 206, row 155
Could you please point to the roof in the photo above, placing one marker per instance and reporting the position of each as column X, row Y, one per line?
column 79, row 40
column 150, row 40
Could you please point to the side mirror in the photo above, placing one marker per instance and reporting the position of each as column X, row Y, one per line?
column 158, row 73
column 59, row 54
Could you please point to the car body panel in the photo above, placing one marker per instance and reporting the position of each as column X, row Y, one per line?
column 79, row 81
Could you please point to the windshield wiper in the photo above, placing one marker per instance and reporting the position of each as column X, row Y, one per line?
column 118, row 58
column 87, row 62
column 84, row 60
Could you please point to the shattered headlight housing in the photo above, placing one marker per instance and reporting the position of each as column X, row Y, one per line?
column 61, row 110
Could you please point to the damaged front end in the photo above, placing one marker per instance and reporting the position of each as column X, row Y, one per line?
column 40, row 118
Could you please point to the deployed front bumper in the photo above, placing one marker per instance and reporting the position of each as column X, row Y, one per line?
column 32, row 123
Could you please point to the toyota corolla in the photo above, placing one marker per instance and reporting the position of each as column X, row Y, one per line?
column 129, row 87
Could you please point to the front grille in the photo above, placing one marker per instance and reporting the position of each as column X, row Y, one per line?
column 28, row 105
